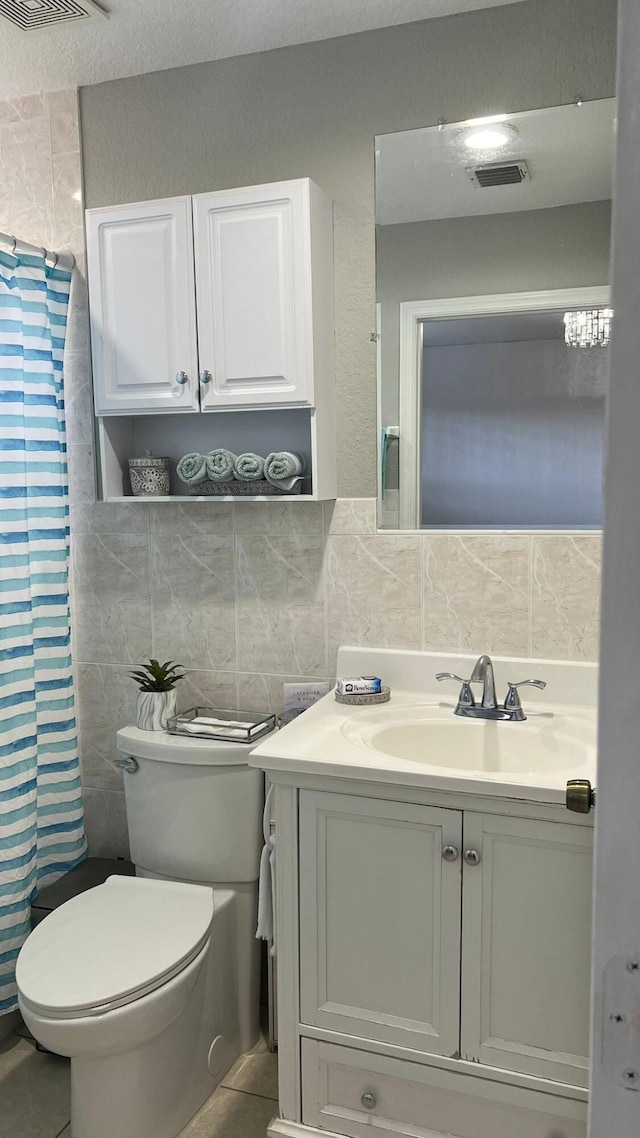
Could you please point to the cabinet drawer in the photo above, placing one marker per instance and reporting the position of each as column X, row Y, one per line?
column 424, row 1102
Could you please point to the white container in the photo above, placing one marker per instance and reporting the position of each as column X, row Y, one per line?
column 154, row 709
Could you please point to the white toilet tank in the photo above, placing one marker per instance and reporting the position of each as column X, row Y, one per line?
column 194, row 807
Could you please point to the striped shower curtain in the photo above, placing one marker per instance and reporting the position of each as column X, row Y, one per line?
column 41, row 818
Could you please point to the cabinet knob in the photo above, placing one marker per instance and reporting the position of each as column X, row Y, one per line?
column 205, row 377
column 450, row 853
column 580, row 796
column 182, row 378
column 368, row 1100
column 472, row 857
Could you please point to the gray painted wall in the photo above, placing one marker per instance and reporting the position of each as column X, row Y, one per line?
column 566, row 247
column 313, row 111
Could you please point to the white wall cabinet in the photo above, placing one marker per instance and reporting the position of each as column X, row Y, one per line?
column 142, row 305
column 255, row 264
column 255, row 296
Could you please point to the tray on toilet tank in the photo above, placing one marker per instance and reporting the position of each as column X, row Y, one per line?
column 214, row 723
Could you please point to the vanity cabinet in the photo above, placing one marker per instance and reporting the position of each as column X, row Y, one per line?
column 380, row 920
column 526, row 946
column 450, row 932
column 223, row 301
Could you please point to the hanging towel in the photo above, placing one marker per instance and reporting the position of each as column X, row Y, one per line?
column 249, row 468
column 192, row 469
column 282, row 468
column 267, row 887
column 220, row 464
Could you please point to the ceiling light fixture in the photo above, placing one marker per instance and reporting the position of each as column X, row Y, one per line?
column 588, row 329
column 490, row 135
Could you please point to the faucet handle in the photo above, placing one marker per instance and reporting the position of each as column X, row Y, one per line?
column 512, row 702
column 465, row 699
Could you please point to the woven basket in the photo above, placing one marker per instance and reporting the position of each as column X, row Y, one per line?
column 242, row 489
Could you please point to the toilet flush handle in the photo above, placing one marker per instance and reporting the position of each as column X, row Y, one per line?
column 128, row 764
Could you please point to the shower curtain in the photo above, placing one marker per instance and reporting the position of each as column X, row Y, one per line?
column 41, row 816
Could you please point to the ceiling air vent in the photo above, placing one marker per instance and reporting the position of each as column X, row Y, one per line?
column 29, row 15
column 497, row 174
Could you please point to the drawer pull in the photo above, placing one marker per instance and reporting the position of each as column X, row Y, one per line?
column 182, row 378
column 368, row 1100
column 450, row 853
column 472, row 857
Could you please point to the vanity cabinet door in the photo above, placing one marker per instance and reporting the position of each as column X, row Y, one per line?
column 142, row 305
column 380, row 920
column 253, row 277
column 526, row 946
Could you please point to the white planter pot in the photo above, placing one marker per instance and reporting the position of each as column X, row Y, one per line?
column 154, row 708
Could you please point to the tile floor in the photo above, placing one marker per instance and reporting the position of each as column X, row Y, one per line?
column 34, row 1096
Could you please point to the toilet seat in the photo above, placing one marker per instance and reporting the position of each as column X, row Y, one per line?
column 112, row 945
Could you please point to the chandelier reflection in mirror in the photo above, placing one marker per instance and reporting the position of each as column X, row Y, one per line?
column 588, row 329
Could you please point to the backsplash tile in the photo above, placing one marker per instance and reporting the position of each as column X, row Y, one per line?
column 287, row 518
column 373, row 592
column 190, row 519
column 281, row 604
column 350, row 516
column 565, row 596
column 112, row 598
column 476, row 593
column 194, row 617
column 106, row 702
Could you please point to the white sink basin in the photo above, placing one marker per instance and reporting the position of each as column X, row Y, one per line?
column 544, row 744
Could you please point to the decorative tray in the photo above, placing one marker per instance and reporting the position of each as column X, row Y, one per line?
column 212, row 723
column 242, row 489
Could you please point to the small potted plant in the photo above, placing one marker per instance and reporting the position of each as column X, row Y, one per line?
column 157, row 696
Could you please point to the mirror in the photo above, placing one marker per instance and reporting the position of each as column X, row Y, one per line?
column 493, row 320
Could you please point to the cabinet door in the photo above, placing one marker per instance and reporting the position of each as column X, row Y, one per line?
column 526, row 946
column 380, row 920
column 253, row 276
column 142, row 305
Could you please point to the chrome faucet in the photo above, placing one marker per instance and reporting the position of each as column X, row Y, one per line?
column 511, row 711
column 483, row 674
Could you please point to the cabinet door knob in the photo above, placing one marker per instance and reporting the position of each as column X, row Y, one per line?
column 472, row 857
column 182, row 378
column 450, row 853
column 581, row 796
column 368, row 1100
column 205, row 377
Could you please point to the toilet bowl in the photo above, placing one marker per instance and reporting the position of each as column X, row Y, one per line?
column 128, row 979
column 151, row 983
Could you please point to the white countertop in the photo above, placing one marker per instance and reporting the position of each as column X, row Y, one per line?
column 331, row 739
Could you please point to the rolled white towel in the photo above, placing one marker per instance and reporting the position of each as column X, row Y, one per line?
column 282, row 468
column 220, row 465
column 248, row 467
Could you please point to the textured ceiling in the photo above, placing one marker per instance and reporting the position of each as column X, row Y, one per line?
column 151, row 35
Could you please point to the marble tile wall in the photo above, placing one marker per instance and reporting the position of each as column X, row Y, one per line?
column 250, row 595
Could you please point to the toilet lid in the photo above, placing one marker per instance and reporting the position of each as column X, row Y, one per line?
column 112, row 944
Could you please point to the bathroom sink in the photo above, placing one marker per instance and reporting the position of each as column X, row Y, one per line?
column 480, row 746
column 546, row 743
column 417, row 740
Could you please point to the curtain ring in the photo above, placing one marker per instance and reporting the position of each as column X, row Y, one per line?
column 55, row 260
column 15, row 246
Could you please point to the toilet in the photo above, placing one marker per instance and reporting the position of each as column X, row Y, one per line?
column 151, row 983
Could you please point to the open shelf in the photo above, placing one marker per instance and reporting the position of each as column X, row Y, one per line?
column 121, row 437
column 212, row 498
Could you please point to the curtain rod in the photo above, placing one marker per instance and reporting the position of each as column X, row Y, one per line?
column 60, row 260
